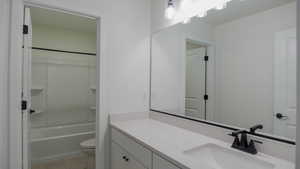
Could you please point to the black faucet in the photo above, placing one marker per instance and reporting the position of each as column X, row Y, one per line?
column 254, row 128
column 242, row 142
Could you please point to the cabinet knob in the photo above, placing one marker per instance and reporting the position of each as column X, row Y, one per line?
column 125, row 158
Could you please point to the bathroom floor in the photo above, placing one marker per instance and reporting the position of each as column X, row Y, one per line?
column 77, row 162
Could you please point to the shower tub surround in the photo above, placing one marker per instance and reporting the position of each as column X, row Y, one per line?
column 156, row 136
column 59, row 142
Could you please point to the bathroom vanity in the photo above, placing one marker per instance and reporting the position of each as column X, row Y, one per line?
column 146, row 143
column 222, row 91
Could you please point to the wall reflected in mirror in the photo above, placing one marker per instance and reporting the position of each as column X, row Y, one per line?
column 236, row 66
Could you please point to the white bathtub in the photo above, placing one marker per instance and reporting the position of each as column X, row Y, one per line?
column 57, row 142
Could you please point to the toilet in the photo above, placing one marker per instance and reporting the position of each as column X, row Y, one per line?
column 89, row 144
column 89, row 147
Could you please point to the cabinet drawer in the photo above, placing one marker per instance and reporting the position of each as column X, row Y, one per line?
column 120, row 159
column 140, row 153
column 160, row 163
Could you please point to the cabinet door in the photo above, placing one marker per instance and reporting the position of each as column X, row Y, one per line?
column 117, row 157
column 120, row 159
column 133, row 164
column 160, row 163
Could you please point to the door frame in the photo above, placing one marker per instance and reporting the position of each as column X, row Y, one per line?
column 15, row 83
column 211, row 73
column 279, row 38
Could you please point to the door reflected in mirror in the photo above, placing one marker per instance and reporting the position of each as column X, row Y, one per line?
column 236, row 66
column 195, row 79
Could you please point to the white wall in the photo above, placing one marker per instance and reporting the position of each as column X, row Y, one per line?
column 4, row 29
column 167, row 76
column 128, row 54
column 247, row 63
column 47, row 36
column 168, row 64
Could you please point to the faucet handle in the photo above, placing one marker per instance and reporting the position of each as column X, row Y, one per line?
column 251, row 148
column 230, row 134
column 236, row 142
column 254, row 128
column 237, row 132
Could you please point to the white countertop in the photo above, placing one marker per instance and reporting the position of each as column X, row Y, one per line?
column 172, row 141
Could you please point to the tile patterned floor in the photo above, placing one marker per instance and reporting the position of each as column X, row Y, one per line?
column 78, row 162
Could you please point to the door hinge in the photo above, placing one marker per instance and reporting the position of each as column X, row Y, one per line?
column 205, row 58
column 24, row 105
column 25, row 29
column 206, row 97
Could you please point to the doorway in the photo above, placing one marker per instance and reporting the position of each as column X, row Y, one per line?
column 196, row 79
column 284, row 82
column 59, row 90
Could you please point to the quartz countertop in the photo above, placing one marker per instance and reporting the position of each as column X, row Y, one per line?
column 171, row 142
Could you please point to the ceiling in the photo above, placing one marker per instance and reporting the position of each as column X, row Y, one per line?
column 62, row 20
column 235, row 9
column 241, row 8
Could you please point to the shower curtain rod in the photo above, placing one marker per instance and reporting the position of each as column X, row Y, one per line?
column 64, row 51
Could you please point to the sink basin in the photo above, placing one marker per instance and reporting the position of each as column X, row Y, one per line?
column 212, row 156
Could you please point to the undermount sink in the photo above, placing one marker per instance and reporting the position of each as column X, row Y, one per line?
column 212, row 156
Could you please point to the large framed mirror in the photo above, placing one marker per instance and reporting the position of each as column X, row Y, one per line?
column 235, row 67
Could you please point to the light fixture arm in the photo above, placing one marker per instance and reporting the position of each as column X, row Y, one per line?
column 170, row 3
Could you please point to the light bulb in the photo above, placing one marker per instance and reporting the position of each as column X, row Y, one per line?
column 186, row 20
column 170, row 12
column 202, row 14
column 221, row 5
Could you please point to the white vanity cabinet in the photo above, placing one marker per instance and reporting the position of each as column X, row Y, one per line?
column 120, row 159
column 126, row 153
column 160, row 163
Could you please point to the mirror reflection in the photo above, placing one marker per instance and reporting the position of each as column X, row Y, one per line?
column 236, row 66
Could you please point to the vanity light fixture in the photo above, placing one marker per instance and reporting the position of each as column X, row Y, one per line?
column 190, row 8
column 186, row 20
column 170, row 11
column 202, row 14
column 221, row 4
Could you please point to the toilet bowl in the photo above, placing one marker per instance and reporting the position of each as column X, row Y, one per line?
column 88, row 144
column 88, row 147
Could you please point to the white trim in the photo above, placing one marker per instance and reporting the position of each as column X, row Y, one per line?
column 298, row 87
column 211, row 78
column 63, row 136
column 15, row 83
column 29, row 3
column 280, row 73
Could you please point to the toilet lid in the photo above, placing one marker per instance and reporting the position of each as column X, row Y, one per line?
column 91, row 143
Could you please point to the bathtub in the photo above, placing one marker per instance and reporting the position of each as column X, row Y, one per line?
column 57, row 142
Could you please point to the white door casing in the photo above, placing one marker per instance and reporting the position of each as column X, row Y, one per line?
column 15, row 81
column 195, row 83
column 284, row 103
column 26, row 90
